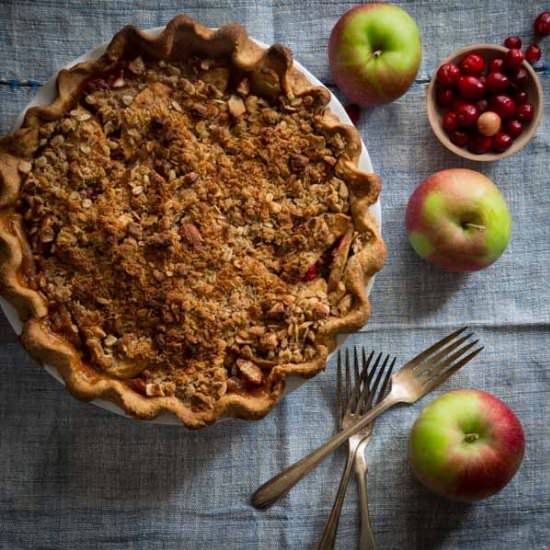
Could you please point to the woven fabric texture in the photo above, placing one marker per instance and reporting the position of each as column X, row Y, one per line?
column 73, row 476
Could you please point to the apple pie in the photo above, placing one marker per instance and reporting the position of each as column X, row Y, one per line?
column 185, row 226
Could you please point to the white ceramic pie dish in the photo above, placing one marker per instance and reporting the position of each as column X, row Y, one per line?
column 46, row 94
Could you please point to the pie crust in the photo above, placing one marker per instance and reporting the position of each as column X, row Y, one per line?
column 185, row 225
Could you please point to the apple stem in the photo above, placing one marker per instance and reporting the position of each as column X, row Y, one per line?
column 475, row 226
column 375, row 54
column 470, row 438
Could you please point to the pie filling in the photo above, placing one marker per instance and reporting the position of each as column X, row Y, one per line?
column 185, row 231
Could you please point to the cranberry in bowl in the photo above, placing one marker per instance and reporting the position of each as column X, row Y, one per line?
column 497, row 104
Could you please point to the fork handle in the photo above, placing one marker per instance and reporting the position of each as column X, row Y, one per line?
column 281, row 484
column 366, row 535
column 328, row 538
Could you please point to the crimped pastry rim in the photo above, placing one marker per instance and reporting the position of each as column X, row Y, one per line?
column 167, row 413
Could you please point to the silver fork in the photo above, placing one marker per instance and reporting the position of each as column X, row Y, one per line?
column 351, row 402
column 411, row 382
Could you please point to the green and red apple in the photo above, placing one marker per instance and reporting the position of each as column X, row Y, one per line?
column 458, row 219
column 374, row 53
column 466, row 445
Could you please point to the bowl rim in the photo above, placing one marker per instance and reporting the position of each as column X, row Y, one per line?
column 434, row 117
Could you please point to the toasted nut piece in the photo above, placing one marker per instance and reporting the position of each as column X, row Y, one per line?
column 191, row 234
column 236, row 106
column 199, row 110
column 110, row 340
column 24, row 166
column 190, row 177
column 269, row 341
column 277, row 312
column 250, row 371
column 119, row 82
column 298, row 162
column 257, row 330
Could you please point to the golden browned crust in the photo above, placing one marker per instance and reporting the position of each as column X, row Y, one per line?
column 340, row 297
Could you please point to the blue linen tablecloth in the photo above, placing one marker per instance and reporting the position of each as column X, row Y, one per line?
column 73, row 476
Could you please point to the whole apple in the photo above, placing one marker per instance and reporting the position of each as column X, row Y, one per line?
column 458, row 219
column 466, row 445
column 374, row 53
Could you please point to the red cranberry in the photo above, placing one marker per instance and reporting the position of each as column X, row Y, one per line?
column 473, row 64
column 542, row 24
column 525, row 112
column 354, row 112
column 445, row 97
column 503, row 105
column 514, row 128
column 496, row 65
column 459, row 138
column 448, row 75
column 471, row 87
column 532, row 54
column 501, row 142
column 449, row 122
column 497, row 82
column 457, row 103
column 513, row 59
column 520, row 78
column 467, row 115
column 482, row 105
column 521, row 97
column 480, row 144
column 513, row 42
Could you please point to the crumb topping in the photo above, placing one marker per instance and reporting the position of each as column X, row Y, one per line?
column 184, row 229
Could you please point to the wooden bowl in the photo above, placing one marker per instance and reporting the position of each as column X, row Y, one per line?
column 534, row 91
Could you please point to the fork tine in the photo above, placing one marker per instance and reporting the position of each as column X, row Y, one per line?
column 436, row 347
column 356, row 374
column 368, row 398
column 348, row 382
column 366, row 362
column 366, row 372
column 422, row 367
column 376, row 382
column 365, row 375
column 371, row 372
column 449, row 360
column 442, row 376
column 355, row 387
column 383, row 389
column 363, row 396
column 355, row 392
column 339, row 397
column 385, row 385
